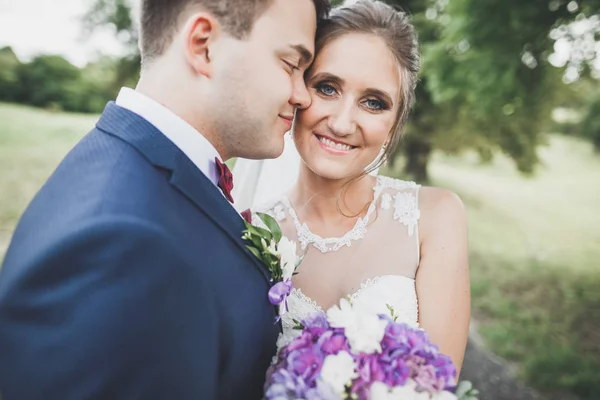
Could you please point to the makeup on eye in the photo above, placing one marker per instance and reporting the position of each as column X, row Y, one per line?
column 373, row 103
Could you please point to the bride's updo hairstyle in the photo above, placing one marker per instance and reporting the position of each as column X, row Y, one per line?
column 393, row 26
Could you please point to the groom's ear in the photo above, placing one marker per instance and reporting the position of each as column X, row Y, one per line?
column 201, row 30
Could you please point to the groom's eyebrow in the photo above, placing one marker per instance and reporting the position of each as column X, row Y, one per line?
column 306, row 56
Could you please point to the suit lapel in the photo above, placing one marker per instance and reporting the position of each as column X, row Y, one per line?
column 185, row 177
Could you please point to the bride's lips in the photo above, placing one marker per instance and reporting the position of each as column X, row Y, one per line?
column 287, row 119
column 333, row 146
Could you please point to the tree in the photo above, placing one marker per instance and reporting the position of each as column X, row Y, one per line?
column 590, row 126
column 9, row 78
column 50, row 81
column 118, row 15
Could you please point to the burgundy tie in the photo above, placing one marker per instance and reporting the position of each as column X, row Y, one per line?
column 225, row 179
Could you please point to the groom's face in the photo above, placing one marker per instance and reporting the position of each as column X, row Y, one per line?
column 258, row 82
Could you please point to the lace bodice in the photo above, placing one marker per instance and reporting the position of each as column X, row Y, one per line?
column 377, row 294
column 374, row 263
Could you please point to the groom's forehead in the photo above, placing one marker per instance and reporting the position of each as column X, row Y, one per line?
column 289, row 25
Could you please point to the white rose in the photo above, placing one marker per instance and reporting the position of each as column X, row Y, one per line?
column 366, row 336
column 363, row 328
column 287, row 250
column 342, row 316
column 338, row 371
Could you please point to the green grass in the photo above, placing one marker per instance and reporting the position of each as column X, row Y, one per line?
column 534, row 242
column 535, row 261
column 32, row 143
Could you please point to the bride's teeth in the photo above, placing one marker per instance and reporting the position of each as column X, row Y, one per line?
column 333, row 145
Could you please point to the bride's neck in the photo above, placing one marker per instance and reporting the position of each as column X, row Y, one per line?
column 314, row 196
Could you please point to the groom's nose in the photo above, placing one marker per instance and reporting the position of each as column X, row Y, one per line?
column 300, row 96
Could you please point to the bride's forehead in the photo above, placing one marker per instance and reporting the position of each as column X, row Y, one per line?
column 361, row 59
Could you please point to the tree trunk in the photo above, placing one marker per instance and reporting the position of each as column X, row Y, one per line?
column 417, row 151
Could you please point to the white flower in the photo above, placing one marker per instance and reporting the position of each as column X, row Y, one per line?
column 338, row 371
column 273, row 248
column 263, row 242
column 342, row 316
column 287, row 250
column 363, row 328
column 380, row 391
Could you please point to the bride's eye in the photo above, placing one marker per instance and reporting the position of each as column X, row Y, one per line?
column 325, row 89
column 375, row 104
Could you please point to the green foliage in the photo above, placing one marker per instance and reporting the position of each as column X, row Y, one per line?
column 50, row 81
column 486, row 84
column 9, row 78
column 590, row 126
column 117, row 14
column 262, row 243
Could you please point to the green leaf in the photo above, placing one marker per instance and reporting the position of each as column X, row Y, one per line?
column 272, row 225
column 255, row 252
column 466, row 391
column 297, row 324
column 260, row 232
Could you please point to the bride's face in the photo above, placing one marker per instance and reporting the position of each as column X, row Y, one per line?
column 355, row 89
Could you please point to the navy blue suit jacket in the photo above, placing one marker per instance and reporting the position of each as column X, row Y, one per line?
column 127, row 278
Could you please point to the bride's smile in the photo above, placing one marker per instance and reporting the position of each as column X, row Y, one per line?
column 334, row 146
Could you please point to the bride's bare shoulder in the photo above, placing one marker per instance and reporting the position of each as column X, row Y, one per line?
column 440, row 207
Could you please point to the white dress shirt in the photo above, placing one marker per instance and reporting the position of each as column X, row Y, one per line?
column 191, row 142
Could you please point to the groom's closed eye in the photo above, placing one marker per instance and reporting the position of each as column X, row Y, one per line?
column 306, row 56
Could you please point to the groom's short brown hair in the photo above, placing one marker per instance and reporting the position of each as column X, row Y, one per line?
column 160, row 19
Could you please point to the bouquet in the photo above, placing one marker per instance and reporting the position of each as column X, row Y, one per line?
column 350, row 353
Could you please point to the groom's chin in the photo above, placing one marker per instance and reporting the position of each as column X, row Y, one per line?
column 275, row 149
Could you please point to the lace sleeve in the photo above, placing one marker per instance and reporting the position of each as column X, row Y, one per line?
column 275, row 210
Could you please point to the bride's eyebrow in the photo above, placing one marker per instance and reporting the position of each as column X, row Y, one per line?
column 326, row 76
column 381, row 94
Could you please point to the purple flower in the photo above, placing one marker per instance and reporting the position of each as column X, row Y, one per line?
column 331, row 342
column 407, row 356
column 322, row 391
column 282, row 384
column 316, row 320
column 305, row 363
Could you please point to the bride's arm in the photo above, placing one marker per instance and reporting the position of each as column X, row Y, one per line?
column 442, row 280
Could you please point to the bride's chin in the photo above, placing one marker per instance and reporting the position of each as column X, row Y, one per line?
column 329, row 170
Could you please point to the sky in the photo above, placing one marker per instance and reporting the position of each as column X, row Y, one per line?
column 31, row 27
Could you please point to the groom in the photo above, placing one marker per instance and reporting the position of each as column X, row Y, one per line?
column 126, row 277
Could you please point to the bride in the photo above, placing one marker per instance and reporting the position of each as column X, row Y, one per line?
column 381, row 241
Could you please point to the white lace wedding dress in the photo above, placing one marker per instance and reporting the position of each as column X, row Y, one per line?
column 375, row 263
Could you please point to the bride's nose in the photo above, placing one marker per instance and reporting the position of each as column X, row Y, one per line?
column 342, row 121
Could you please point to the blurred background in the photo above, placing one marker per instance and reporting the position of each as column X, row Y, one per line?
column 507, row 115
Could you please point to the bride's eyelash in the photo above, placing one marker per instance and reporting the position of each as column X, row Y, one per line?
column 373, row 103
column 322, row 87
column 381, row 105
